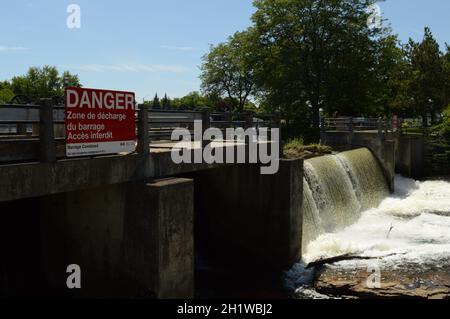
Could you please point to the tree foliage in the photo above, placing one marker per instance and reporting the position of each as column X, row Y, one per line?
column 301, row 57
column 45, row 82
column 6, row 93
column 165, row 102
column 156, row 103
column 427, row 88
column 316, row 54
column 198, row 101
column 227, row 70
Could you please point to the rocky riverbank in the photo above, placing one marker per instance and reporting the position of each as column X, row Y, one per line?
column 410, row 280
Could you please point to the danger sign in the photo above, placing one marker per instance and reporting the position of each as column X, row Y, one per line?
column 99, row 122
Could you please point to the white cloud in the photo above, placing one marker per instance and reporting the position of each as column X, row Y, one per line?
column 11, row 49
column 129, row 67
column 178, row 48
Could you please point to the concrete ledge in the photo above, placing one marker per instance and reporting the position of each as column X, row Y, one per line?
column 29, row 180
column 39, row 179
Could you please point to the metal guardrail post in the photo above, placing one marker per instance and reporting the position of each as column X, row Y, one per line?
column 351, row 132
column 249, row 120
column 206, row 124
column 46, row 132
column 143, row 146
column 280, row 142
column 380, row 126
column 229, row 119
column 21, row 129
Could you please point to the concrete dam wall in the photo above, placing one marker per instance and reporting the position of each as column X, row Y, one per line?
column 141, row 238
column 337, row 188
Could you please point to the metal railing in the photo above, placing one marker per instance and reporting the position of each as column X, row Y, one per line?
column 36, row 132
column 163, row 123
column 359, row 124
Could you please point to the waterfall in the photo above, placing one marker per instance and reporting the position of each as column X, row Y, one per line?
column 312, row 224
column 367, row 177
column 337, row 188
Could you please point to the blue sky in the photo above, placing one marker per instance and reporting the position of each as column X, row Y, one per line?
column 154, row 45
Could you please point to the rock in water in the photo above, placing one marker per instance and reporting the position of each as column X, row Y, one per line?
column 405, row 281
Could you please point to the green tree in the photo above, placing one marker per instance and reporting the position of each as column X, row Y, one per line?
column 43, row 82
column 315, row 54
column 427, row 86
column 227, row 72
column 446, row 63
column 165, row 102
column 393, row 78
column 6, row 94
column 156, row 104
column 193, row 101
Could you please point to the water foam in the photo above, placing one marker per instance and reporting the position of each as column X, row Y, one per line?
column 411, row 225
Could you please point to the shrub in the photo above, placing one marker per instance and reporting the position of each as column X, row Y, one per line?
column 295, row 148
column 443, row 129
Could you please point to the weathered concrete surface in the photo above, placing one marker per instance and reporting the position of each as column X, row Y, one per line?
column 388, row 163
column 29, row 180
column 21, row 269
column 39, row 179
column 159, row 242
column 164, row 165
column 130, row 240
column 251, row 219
column 84, row 228
column 411, row 156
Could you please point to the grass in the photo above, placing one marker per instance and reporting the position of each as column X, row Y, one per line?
column 296, row 148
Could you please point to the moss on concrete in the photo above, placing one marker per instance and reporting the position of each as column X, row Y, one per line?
column 296, row 149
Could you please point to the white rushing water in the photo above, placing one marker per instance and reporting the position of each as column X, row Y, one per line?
column 410, row 226
column 413, row 223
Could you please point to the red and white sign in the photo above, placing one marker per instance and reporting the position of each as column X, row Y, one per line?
column 99, row 122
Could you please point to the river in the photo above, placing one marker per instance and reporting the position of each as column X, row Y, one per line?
column 407, row 238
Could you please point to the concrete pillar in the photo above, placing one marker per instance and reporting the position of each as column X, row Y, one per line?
column 130, row 240
column 159, row 242
column 46, row 132
column 389, row 163
column 412, row 156
column 21, row 129
column 143, row 146
column 251, row 219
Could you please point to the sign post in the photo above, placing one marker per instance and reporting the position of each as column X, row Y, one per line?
column 99, row 122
